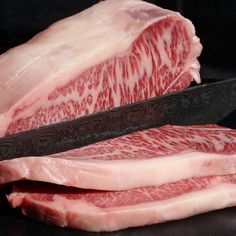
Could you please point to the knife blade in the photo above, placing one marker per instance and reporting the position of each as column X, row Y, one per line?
column 202, row 104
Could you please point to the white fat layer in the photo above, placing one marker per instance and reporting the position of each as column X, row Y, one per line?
column 117, row 174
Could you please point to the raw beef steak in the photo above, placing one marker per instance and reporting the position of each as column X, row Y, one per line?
column 109, row 211
column 114, row 53
column 145, row 158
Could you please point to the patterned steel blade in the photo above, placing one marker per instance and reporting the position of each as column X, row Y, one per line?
column 201, row 104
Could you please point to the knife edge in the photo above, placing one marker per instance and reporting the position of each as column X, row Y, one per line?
column 201, row 104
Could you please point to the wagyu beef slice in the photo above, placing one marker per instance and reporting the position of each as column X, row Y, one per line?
column 114, row 53
column 146, row 158
column 109, row 211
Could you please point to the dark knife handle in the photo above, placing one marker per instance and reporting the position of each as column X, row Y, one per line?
column 197, row 105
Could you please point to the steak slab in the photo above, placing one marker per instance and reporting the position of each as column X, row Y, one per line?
column 109, row 211
column 145, row 158
column 112, row 54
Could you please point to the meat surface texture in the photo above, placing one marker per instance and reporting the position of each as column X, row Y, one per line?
column 112, row 54
column 109, row 211
column 146, row 158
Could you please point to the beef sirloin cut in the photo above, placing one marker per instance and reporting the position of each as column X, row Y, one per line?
column 109, row 211
column 114, row 53
column 145, row 158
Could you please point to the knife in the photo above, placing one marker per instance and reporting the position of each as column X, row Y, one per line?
column 202, row 104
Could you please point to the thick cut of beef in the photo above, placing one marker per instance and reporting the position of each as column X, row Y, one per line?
column 109, row 211
column 146, row 158
column 112, row 54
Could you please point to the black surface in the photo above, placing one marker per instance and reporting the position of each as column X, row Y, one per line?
column 217, row 223
column 215, row 25
column 202, row 104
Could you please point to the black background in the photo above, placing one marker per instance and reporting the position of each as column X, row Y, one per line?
column 215, row 22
